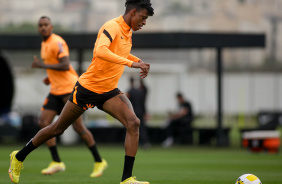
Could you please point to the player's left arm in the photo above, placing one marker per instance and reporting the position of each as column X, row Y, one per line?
column 133, row 58
column 143, row 73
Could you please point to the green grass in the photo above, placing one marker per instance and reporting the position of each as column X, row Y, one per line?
column 176, row 165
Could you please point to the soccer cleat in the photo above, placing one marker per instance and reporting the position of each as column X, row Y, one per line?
column 15, row 167
column 132, row 180
column 53, row 168
column 99, row 167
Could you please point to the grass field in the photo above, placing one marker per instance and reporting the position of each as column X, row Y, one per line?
column 176, row 165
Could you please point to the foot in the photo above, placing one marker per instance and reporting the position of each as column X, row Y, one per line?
column 99, row 167
column 53, row 168
column 132, row 180
column 168, row 142
column 15, row 167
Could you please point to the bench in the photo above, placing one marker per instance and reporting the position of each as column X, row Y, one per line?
column 261, row 140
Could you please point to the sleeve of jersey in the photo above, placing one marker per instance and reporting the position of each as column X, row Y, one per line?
column 63, row 49
column 103, row 51
column 133, row 58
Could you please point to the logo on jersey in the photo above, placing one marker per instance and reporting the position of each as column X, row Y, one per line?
column 89, row 106
column 61, row 49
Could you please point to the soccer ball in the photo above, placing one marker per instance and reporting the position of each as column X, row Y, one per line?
column 248, row 179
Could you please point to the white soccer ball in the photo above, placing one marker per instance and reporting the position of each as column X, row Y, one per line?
column 248, row 179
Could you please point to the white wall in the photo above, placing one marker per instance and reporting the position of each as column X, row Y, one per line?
column 242, row 92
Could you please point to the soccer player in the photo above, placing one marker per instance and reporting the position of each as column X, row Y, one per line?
column 62, row 78
column 98, row 87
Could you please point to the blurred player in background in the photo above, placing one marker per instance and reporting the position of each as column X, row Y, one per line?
column 137, row 97
column 182, row 119
column 62, row 78
column 98, row 87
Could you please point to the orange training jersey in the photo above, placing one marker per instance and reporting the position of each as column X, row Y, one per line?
column 62, row 82
column 110, row 55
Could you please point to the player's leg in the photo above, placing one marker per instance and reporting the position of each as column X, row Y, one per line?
column 45, row 119
column 100, row 164
column 120, row 108
column 86, row 136
column 81, row 129
column 69, row 114
column 52, row 106
column 83, row 97
column 84, row 133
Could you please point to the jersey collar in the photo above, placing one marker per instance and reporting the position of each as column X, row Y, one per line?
column 123, row 24
column 49, row 38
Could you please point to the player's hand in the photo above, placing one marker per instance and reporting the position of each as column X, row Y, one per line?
column 36, row 63
column 145, row 67
column 147, row 64
column 46, row 81
column 143, row 74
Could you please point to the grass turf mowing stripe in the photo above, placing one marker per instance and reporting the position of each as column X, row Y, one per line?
column 176, row 165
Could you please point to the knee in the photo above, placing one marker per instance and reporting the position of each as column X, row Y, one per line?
column 133, row 125
column 78, row 129
column 75, row 127
column 43, row 123
column 55, row 131
column 58, row 132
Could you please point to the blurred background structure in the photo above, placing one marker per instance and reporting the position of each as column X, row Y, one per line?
column 252, row 80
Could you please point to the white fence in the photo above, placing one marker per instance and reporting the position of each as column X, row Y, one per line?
column 243, row 92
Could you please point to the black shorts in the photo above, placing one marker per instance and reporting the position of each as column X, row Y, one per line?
column 85, row 98
column 54, row 102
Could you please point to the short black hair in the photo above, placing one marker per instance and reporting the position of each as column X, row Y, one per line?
column 139, row 4
column 179, row 95
column 45, row 17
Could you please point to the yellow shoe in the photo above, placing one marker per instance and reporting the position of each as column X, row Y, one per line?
column 15, row 167
column 53, row 168
column 99, row 167
column 132, row 180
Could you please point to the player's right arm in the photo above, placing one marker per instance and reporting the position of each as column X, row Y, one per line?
column 60, row 52
column 63, row 64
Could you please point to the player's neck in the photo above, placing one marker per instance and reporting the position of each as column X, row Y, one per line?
column 126, row 18
column 46, row 37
